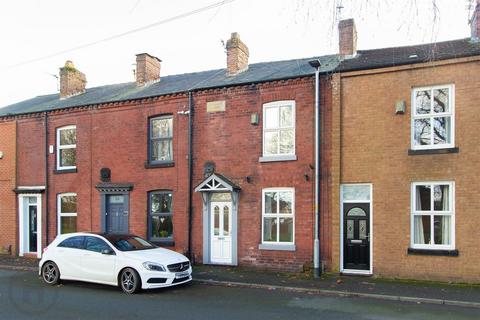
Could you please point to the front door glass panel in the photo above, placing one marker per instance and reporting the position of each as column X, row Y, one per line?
column 216, row 220
column 32, row 230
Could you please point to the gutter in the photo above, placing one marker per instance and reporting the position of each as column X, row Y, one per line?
column 316, row 244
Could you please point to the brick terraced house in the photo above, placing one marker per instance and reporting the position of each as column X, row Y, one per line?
column 405, row 154
column 117, row 158
column 230, row 165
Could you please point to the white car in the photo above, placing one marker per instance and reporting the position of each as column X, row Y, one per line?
column 121, row 260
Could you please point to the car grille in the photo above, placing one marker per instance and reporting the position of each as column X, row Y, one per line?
column 180, row 280
column 178, row 267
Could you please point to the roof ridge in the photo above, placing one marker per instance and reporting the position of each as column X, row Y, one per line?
column 414, row 45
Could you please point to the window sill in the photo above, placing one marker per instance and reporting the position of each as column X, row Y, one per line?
column 414, row 152
column 168, row 164
column 277, row 247
column 433, row 252
column 60, row 171
column 290, row 157
column 163, row 243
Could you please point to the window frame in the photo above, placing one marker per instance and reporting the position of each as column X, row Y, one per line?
column 67, row 146
column 151, row 139
column 278, row 215
column 150, row 215
column 60, row 214
column 432, row 213
column 415, row 116
column 278, row 104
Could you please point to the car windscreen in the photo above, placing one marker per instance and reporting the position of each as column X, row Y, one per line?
column 129, row 243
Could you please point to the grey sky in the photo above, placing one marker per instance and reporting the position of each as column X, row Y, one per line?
column 272, row 29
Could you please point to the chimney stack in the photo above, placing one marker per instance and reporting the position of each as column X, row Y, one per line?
column 475, row 22
column 347, row 37
column 148, row 69
column 237, row 55
column 72, row 81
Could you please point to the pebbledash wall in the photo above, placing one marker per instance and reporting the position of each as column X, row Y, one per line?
column 115, row 136
column 8, row 215
column 371, row 144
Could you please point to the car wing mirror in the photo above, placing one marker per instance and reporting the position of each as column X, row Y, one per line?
column 108, row 252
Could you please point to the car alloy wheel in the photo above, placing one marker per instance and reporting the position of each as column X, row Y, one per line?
column 129, row 281
column 50, row 273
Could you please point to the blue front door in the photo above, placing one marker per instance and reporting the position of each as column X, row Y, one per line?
column 117, row 213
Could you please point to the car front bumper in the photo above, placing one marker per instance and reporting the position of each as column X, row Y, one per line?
column 155, row 279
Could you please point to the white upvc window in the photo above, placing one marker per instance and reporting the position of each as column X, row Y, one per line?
column 67, row 148
column 278, row 216
column 433, row 117
column 67, row 213
column 433, row 215
column 279, row 129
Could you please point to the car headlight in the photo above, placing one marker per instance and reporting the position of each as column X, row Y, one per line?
column 153, row 266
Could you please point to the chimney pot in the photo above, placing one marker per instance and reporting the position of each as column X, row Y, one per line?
column 475, row 23
column 237, row 55
column 347, row 37
column 148, row 69
column 72, row 81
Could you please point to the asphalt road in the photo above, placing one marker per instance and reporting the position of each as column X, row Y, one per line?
column 24, row 296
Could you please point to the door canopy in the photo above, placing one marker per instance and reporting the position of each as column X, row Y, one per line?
column 217, row 183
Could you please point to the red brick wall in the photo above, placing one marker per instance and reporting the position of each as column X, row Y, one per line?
column 8, row 217
column 115, row 136
column 228, row 139
column 374, row 147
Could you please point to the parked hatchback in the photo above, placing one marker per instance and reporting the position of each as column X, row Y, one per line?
column 121, row 260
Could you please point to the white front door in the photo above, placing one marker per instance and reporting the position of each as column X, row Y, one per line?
column 221, row 232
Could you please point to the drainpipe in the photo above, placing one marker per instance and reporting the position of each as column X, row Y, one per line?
column 46, row 180
column 190, row 173
column 316, row 245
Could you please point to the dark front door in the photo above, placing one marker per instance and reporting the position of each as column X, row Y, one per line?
column 356, row 236
column 117, row 213
column 32, row 228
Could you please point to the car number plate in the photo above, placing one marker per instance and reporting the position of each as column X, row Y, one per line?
column 180, row 275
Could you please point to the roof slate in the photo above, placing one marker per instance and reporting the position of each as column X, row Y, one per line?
column 256, row 73
column 390, row 57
